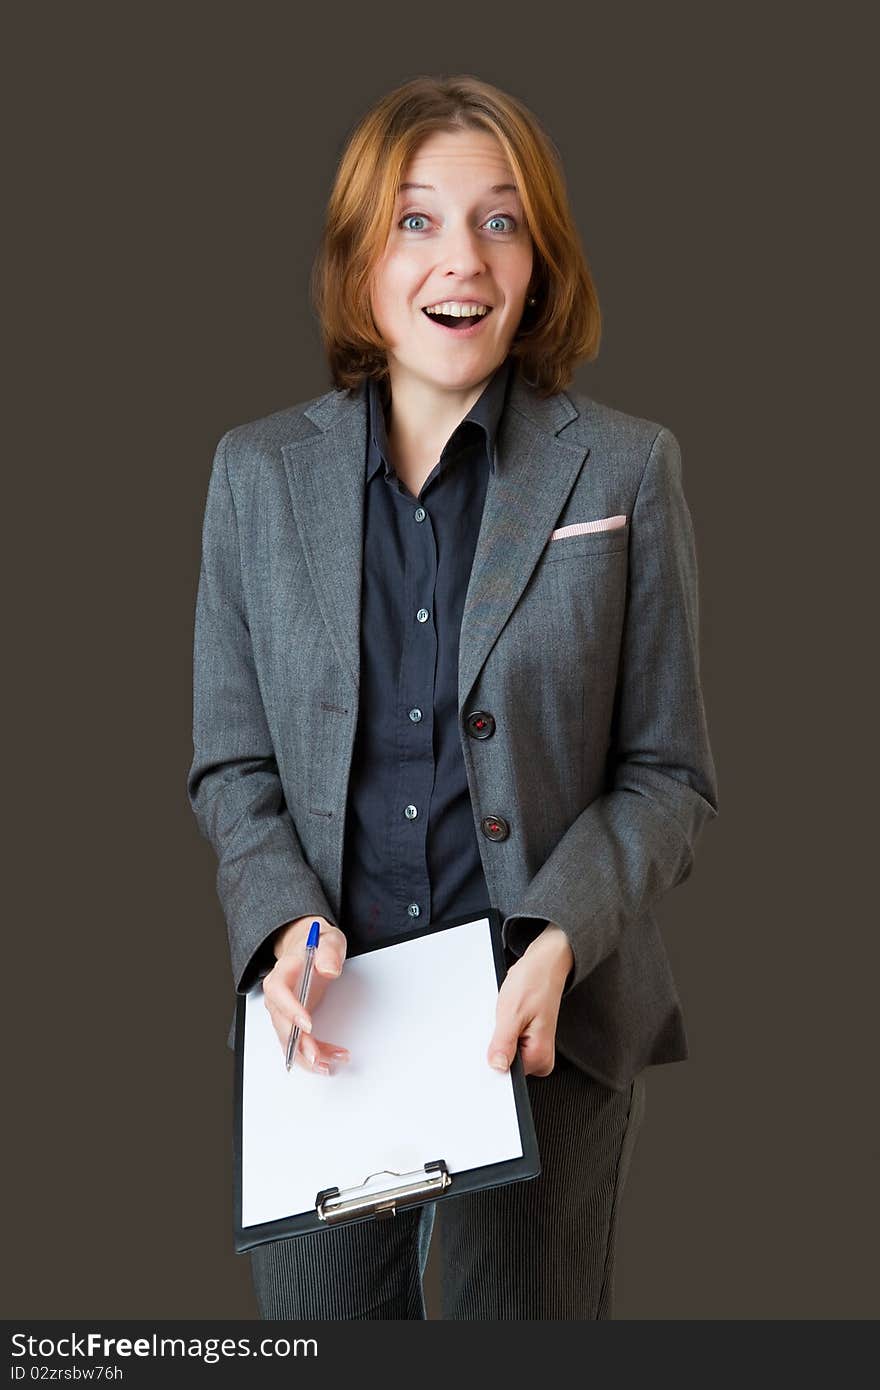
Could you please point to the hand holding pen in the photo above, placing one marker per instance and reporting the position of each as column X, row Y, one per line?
column 310, row 952
column 295, row 1029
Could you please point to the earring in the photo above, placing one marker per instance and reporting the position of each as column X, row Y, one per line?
column 531, row 299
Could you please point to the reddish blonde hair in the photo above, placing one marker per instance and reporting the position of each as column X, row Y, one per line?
column 562, row 328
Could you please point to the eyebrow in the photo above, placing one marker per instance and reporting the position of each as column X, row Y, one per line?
column 496, row 187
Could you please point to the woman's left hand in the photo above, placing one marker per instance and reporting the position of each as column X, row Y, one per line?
column 528, row 1004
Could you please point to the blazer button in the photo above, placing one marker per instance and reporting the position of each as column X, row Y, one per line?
column 480, row 724
column 494, row 828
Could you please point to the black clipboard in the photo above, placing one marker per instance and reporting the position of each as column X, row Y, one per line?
column 381, row 1196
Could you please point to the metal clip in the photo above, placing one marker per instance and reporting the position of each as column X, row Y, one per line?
column 382, row 1200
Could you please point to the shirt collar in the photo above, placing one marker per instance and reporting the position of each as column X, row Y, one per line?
column 485, row 412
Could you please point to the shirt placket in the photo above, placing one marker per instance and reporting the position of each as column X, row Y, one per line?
column 414, row 712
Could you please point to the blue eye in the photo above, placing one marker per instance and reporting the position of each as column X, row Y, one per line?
column 498, row 217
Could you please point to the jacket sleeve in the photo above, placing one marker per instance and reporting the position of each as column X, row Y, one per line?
column 263, row 880
column 636, row 840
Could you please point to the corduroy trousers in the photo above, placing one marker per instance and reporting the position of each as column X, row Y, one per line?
column 542, row 1248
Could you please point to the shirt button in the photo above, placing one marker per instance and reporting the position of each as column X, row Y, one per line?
column 420, row 513
column 480, row 724
column 410, row 812
column 413, row 909
column 423, row 615
column 494, row 828
column 415, row 715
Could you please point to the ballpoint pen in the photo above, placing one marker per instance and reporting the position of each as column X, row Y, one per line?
column 311, row 946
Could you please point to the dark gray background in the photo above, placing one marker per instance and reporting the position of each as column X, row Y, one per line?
column 170, row 168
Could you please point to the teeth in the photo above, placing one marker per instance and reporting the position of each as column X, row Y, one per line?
column 459, row 311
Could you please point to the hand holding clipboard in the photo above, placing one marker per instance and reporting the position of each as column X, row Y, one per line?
column 409, row 1120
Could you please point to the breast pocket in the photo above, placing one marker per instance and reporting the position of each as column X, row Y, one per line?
column 578, row 547
column 577, row 595
column 562, row 643
column 554, row 667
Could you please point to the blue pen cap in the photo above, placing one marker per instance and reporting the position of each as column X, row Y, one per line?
column 314, row 933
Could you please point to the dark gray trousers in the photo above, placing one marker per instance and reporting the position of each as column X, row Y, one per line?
column 542, row 1248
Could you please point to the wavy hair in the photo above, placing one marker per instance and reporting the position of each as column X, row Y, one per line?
column 564, row 325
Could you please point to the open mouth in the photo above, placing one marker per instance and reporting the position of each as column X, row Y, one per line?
column 463, row 325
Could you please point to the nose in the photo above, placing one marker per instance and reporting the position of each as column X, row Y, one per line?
column 462, row 253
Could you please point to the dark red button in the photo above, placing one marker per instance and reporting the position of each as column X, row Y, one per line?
column 495, row 827
column 480, row 724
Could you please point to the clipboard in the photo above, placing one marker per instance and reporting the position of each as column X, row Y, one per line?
column 434, row 1176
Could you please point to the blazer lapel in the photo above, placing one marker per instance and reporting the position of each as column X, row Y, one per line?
column 526, row 494
column 536, row 471
column 325, row 474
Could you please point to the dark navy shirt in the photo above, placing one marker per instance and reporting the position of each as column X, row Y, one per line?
column 411, row 854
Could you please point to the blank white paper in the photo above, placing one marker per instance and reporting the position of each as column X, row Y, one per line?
column 417, row 1018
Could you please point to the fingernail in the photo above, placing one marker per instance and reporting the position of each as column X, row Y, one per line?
column 499, row 1061
column 323, row 1067
column 305, row 1026
column 342, row 1053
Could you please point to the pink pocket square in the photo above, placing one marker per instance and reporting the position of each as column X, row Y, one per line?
column 583, row 528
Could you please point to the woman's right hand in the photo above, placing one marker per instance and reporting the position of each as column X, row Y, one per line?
column 281, row 988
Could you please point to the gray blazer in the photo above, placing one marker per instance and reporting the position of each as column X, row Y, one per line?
column 583, row 647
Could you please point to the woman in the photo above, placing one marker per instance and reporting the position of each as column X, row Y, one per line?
column 446, row 656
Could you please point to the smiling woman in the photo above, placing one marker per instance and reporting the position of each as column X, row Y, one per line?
column 446, row 659
column 463, row 274
column 453, row 190
column 470, row 257
column 448, row 247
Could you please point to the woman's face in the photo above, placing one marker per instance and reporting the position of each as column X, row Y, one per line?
column 461, row 238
